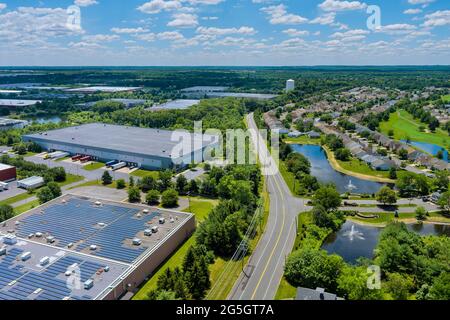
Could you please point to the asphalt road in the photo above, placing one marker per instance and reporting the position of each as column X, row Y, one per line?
column 264, row 270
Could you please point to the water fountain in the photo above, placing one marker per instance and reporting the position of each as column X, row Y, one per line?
column 350, row 187
column 354, row 234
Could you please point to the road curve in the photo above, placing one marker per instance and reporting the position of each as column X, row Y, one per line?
column 262, row 274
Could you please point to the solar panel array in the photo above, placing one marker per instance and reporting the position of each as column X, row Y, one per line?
column 77, row 222
column 50, row 280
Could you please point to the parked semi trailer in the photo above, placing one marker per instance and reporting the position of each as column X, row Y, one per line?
column 118, row 165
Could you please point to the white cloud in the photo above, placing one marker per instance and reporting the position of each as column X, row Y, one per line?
column 129, row 30
column 156, row 6
column 183, row 20
column 325, row 19
column 170, row 35
column 210, row 18
column 279, row 15
column 2, row 6
column 85, row 3
column 349, row 33
column 437, row 19
column 296, row 33
column 225, row 31
column 412, row 11
column 335, row 5
column 149, row 37
column 100, row 38
column 205, row 2
column 396, row 29
column 420, row 1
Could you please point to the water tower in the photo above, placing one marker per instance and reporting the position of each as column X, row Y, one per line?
column 290, row 85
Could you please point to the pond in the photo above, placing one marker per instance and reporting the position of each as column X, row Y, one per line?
column 324, row 172
column 354, row 240
column 430, row 148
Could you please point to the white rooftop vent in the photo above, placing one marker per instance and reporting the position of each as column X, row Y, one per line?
column 106, row 269
column 31, row 235
column 147, row 232
column 101, row 224
column 37, row 291
column 66, row 298
column 63, row 201
column 145, row 211
column 98, row 203
column 172, row 220
column 38, row 234
column 162, row 220
column 88, row 284
column 70, row 245
column 139, row 215
column 93, row 247
column 44, row 261
column 50, row 239
column 3, row 251
column 155, row 229
column 25, row 256
column 17, row 223
column 137, row 241
column 68, row 273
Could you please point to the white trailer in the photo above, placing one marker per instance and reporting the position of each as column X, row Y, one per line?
column 118, row 166
column 3, row 186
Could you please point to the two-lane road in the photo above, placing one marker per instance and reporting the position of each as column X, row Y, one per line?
column 264, row 270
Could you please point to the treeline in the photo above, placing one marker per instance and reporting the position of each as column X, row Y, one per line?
column 27, row 169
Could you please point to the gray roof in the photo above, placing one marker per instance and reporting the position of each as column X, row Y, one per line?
column 314, row 294
column 17, row 102
column 175, row 104
column 143, row 141
column 204, row 89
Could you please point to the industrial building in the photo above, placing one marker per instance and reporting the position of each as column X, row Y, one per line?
column 15, row 103
column 79, row 248
column 152, row 149
column 31, row 183
column 175, row 105
column 105, row 89
column 7, row 172
column 7, row 124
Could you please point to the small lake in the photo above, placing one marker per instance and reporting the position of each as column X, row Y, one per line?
column 430, row 148
column 324, row 172
column 43, row 120
column 354, row 240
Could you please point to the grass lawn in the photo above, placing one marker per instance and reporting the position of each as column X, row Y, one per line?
column 385, row 217
column 201, row 208
column 302, row 140
column 70, row 178
column 17, row 198
column 360, row 166
column 446, row 98
column 285, row 290
column 93, row 166
column 404, row 125
column 140, row 173
column 27, row 206
column 288, row 177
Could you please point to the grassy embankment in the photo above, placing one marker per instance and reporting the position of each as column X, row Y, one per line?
column 405, row 126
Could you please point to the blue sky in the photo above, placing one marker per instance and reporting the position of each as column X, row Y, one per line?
column 224, row 32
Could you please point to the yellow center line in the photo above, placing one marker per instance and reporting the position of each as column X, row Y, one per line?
column 276, row 243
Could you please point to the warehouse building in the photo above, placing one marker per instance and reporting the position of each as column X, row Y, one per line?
column 146, row 148
column 31, row 183
column 79, row 248
column 16, row 103
column 7, row 124
column 7, row 172
column 105, row 89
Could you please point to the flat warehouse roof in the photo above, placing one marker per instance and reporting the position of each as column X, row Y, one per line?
column 142, row 141
column 103, row 89
column 18, row 103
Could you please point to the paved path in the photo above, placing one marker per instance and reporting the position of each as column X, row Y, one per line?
column 264, row 270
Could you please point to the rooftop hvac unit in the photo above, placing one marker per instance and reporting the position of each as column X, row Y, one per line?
column 145, row 211
column 155, row 229
column 44, row 261
column 101, row 224
column 17, row 223
column 66, row 298
column 88, row 284
column 50, row 239
column 172, row 220
column 3, row 251
column 70, row 245
column 139, row 215
column 37, row 291
column 93, row 247
column 98, row 203
column 31, row 235
column 147, row 232
column 106, row 269
column 10, row 239
column 162, row 220
column 38, row 234
column 68, row 273
column 137, row 241
column 25, row 256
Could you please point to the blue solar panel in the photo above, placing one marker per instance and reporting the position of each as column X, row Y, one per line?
column 76, row 221
column 49, row 280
